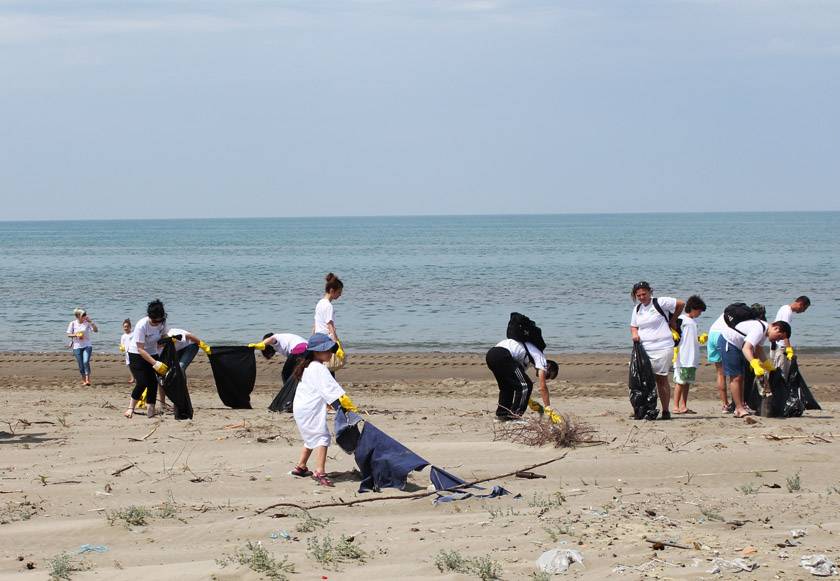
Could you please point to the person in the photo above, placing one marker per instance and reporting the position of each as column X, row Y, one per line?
column 125, row 341
column 783, row 352
column 143, row 353
column 742, row 344
column 289, row 345
column 509, row 361
column 325, row 318
column 713, row 356
column 652, row 323
column 79, row 331
column 688, row 354
column 186, row 347
column 316, row 390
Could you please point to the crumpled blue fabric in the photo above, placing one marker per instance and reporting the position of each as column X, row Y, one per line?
column 495, row 492
column 347, row 432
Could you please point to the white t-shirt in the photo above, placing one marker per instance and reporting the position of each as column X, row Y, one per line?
column 317, row 389
column 654, row 329
column 689, row 344
column 718, row 326
column 183, row 342
column 75, row 327
column 755, row 331
column 148, row 335
column 517, row 350
column 125, row 341
column 785, row 314
column 285, row 342
column 324, row 313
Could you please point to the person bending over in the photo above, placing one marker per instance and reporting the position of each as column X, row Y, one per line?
column 509, row 361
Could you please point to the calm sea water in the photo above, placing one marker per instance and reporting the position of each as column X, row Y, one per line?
column 413, row 283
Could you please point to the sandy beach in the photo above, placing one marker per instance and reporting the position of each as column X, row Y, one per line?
column 718, row 487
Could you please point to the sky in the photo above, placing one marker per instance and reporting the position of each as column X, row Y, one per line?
column 168, row 109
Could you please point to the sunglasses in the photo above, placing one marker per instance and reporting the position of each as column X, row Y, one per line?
column 641, row 285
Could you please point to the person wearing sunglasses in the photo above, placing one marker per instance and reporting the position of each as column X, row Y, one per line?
column 143, row 353
column 653, row 324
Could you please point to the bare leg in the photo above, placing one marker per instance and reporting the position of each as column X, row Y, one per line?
column 321, row 459
column 684, row 401
column 664, row 389
column 678, row 398
column 736, row 386
column 721, row 385
column 130, row 411
column 304, row 457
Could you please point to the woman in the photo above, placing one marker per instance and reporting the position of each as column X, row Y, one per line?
column 325, row 318
column 509, row 361
column 289, row 345
column 652, row 324
column 79, row 331
column 316, row 390
column 143, row 353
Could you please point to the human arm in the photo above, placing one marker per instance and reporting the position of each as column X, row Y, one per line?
column 92, row 324
column 543, row 386
column 678, row 309
column 634, row 334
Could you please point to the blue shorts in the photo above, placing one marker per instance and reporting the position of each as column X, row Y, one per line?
column 712, row 351
column 734, row 362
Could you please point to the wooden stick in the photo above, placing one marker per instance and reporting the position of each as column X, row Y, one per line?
column 157, row 425
column 123, row 469
column 820, row 436
column 10, row 491
column 406, row 496
column 724, row 473
column 667, row 544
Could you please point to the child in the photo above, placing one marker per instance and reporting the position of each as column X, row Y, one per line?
column 125, row 341
column 316, row 390
column 688, row 354
column 79, row 331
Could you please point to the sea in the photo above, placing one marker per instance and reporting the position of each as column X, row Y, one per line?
column 443, row 283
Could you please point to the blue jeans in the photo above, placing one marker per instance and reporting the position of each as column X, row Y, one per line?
column 83, row 359
column 734, row 362
column 186, row 355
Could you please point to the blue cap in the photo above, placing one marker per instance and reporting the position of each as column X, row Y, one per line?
column 320, row 342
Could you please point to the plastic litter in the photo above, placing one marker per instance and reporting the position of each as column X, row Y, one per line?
column 642, row 384
column 818, row 565
column 280, row 535
column 92, row 549
column 734, row 566
column 798, row 533
column 558, row 560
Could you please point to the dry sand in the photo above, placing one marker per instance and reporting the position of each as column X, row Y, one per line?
column 714, row 484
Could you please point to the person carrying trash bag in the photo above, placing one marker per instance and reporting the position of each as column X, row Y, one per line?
column 316, row 390
column 509, row 361
column 741, row 343
column 653, row 324
column 292, row 347
column 143, row 355
column 642, row 385
column 783, row 352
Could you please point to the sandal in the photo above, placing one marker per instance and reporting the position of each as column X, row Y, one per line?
column 301, row 472
column 745, row 414
column 321, row 479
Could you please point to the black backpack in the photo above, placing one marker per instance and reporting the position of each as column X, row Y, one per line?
column 737, row 313
column 521, row 328
column 666, row 316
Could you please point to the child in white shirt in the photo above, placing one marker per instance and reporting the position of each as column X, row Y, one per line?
column 688, row 354
column 125, row 343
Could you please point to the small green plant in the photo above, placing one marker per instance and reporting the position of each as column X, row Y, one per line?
column 748, row 488
column 133, row 516
column 310, row 524
column 169, row 508
column 329, row 553
column 17, row 511
column 711, row 514
column 557, row 531
column 484, row 567
column 258, row 559
column 553, row 500
column 541, row 576
column 62, row 566
column 794, row 484
column 498, row 512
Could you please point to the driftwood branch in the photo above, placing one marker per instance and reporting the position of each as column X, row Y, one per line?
column 667, row 544
column 406, row 496
column 157, row 425
column 725, row 473
column 123, row 469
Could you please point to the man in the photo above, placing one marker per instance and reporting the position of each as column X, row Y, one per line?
column 742, row 344
column 782, row 352
column 509, row 361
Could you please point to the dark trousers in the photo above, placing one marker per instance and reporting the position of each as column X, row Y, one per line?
column 186, row 355
column 514, row 384
column 289, row 367
column 144, row 378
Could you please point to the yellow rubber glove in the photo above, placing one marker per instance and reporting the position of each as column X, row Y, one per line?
column 160, row 368
column 347, row 403
column 340, row 352
column 757, row 368
column 789, row 353
column 676, row 354
column 204, row 347
column 258, row 346
column 675, row 335
column 174, row 340
column 535, row 406
column 553, row 415
column 122, row 348
column 768, row 366
column 80, row 334
column 141, row 403
column 703, row 338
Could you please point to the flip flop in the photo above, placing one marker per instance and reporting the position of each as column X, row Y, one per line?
column 689, row 412
column 743, row 415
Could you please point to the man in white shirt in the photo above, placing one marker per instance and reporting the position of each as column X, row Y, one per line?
column 509, row 361
column 743, row 343
column 782, row 351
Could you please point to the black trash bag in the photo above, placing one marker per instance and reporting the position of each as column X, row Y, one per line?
column 174, row 383
column 753, row 389
column 235, row 372
column 284, row 399
column 796, row 383
column 642, row 384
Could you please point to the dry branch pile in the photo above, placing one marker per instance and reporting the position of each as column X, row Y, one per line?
column 539, row 431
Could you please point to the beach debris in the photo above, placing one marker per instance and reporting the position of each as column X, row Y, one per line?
column 144, row 438
column 798, row 533
column 558, row 560
column 119, row 471
column 529, row 475
column 280, row 535
column 818, row 565
column 731, row 566
column 660, row 545
column 92, row 549
column 534, row 430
